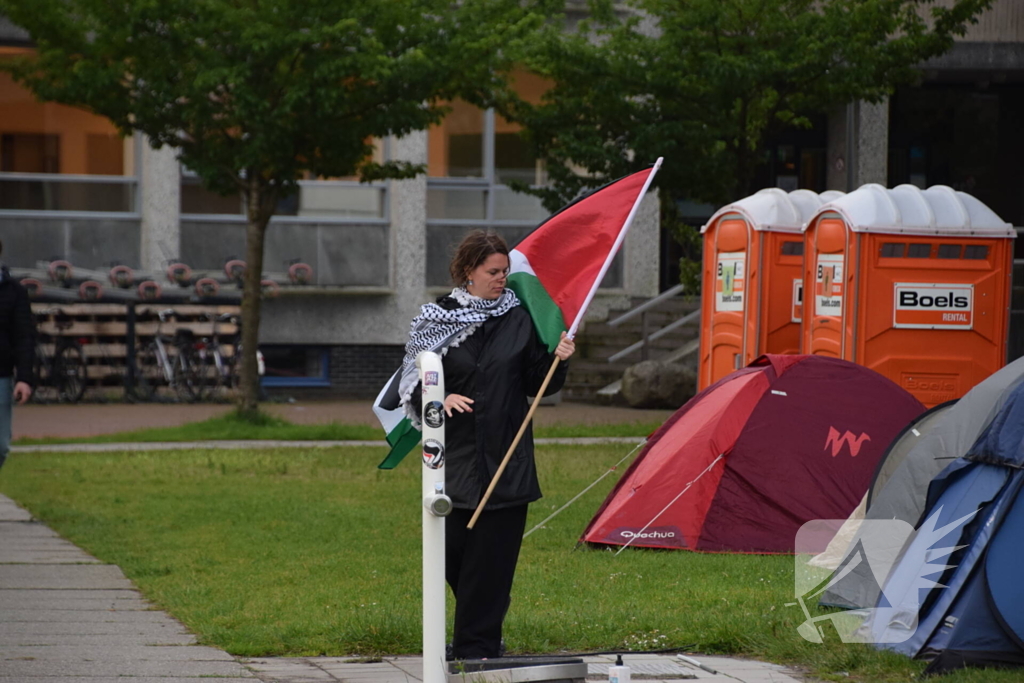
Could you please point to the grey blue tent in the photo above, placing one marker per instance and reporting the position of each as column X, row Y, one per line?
column 907, row 439
column 903, row 496
column 902, row 446
column 974, row 615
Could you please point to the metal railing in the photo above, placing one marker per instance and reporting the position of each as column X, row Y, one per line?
column 44, row 192
column 647, row 336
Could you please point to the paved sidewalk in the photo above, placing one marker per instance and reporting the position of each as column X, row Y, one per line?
column 65, row 617
column 650, row 668
column 269, row 443
column 90, row 419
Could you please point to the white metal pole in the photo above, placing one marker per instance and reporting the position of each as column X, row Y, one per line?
column 436, row 505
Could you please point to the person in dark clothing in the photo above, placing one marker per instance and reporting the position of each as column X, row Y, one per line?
column 493, row 360
column 17, row 351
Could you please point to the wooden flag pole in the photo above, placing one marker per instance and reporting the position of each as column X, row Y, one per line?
column 515, row 442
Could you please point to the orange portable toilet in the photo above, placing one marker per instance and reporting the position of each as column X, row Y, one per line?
column 912, row 284
column 752, row 293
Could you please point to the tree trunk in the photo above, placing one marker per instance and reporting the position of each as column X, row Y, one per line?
column 258, row 217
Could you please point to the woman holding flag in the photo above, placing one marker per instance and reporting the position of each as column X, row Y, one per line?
column 495, row 354
column 493, row 359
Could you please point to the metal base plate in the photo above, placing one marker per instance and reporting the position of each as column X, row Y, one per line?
column 518, row 670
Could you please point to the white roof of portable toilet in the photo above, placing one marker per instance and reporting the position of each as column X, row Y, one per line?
column 908, row 210
column 775, row 209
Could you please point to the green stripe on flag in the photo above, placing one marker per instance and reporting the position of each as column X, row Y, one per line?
column 547, row 317
column 403, row 439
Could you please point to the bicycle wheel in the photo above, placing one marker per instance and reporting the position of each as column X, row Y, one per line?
column 187, row 373
column 206, row 373
column 233, row 366
column 70, row 374
column 44, row 392
column 147, row 373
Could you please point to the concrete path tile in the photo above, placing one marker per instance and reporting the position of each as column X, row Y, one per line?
column 73, row 599
column 17, row 529
column 288, row 669
column 96, row 640
column 37, row 548
column 12, row 556
column 118, row 652
column 116, row 679
column 102, row 616
column 731, row 664
column 27, row 670
column 11, row 512
column 98, row 628
column 75, row 577
column 23, row 535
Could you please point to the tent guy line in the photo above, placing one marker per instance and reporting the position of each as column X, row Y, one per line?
column 687, row 488
column 592, row 485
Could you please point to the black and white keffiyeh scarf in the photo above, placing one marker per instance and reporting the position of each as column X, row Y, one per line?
column 438, row 329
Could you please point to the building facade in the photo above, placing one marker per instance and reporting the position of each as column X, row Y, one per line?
column 71, row 188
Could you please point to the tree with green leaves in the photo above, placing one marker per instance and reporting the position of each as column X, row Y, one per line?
column 256, row 94
column 705, row 82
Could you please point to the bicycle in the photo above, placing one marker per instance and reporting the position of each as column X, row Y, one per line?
column 155, row 364
column 65, row 371
column 218, row 368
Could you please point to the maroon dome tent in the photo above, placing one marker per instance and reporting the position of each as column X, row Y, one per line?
column 746, row 462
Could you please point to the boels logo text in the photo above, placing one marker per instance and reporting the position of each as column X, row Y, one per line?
column 933, row 306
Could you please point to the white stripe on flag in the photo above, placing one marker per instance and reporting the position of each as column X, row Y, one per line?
column 518, row 263
column 389, row 419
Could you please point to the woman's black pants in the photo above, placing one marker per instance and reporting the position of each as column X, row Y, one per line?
column 479, row 565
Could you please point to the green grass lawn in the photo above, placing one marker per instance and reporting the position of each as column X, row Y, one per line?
column 316, row 552
column 230, row 427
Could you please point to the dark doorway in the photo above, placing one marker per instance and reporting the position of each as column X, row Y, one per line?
column 967, row 136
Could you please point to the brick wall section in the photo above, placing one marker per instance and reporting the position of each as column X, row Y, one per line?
column 362, row 370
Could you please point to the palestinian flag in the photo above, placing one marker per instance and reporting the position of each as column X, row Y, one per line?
column 401, row 435
column 555, row 271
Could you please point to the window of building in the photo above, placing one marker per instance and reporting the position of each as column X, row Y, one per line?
column 919, row 251
column 296, row 366
column 786, row 176
column 472, row 156
column 456, row 145
column 794, row 159
column 950, row 251
column 320, row 199
column 59, row 158
column 29, row 153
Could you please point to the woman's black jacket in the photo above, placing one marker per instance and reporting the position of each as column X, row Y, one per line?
column 17, row 330
column 497, row 366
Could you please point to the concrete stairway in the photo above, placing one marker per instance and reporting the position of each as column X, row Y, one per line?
column 590, row 370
